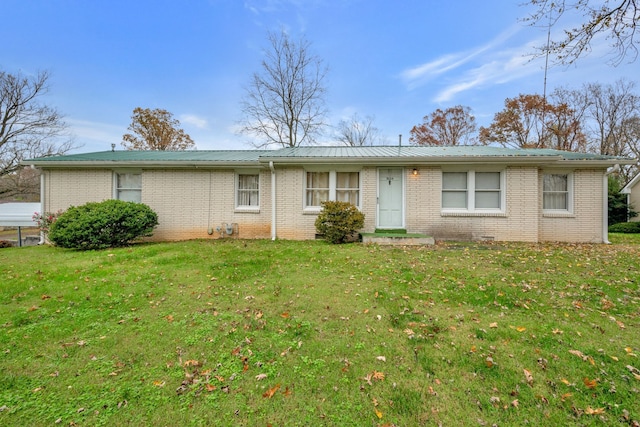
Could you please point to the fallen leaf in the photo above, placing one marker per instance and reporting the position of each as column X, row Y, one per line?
column 381, row 358
column 286, row 392
column 528, row 377
column 493, row 325
column 590, row 383
column 378, row 414
column 565, row 396
column 269, row 393
column 260, row 377
column 210, row 387
column 591, row 411
column 169, row 318
column 159, row 383
column 565, row 381
column 521, row 329
column 489, row 362
column 378, row 376
column 579, row 354
column 515, row 403
column 284, row 315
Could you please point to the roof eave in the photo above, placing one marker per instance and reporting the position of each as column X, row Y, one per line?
column 411, row 160
column 143, row 164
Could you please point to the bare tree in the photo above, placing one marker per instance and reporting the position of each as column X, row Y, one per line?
column 155, row 130
column 284, row 103
column 453, row 126
column 28, row 128
column 356, row 131
column 610, row 108
column 615, row 19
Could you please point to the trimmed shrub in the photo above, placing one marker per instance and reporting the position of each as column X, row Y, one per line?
column 111, row 223
column 339, row 222
column 5, row 244
column 625, row 227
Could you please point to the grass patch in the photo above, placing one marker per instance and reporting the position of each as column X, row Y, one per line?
column 234, row 332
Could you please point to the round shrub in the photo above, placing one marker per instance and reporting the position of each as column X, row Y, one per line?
column 625, row 227
column 111, row 223
column 339, row 222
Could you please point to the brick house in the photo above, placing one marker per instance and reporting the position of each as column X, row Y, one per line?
column 465, row 193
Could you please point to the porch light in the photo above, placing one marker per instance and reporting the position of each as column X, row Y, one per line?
column 415, row 172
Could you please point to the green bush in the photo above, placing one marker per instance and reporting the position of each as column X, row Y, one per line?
column 625, row 227
column 111, row 223
column 339, row 222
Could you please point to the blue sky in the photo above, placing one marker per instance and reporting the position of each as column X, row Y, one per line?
column 397, row 61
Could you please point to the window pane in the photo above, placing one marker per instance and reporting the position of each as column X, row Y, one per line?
column 130, row 180
column 347, row 180
column 454, row 181
column 130, row 195
column 555, row 182
column 248, row 182
column 555, row 201
column 316, row 197
column 488, row 200
column 454, row 199
column 487, row 180
column 318, row 180
column 351, row 196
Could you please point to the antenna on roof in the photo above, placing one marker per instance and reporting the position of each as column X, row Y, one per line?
column 113, row 147
column 400, row 140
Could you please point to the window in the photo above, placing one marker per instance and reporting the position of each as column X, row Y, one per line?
column 317, row 188
column 454, row 190
column 556, row 194
column 473, row 191
column 332, row 185
column 248, row 191
column 348, row 187
column 129, row 187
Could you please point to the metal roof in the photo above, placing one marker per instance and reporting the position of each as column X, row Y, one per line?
column 153, row 158
column 325, row 154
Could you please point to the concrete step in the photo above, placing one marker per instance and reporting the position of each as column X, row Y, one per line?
column 389, row 239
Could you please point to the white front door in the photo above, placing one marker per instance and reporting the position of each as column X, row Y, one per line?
column 390, row 198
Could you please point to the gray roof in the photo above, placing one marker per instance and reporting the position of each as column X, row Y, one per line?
column 378, row 155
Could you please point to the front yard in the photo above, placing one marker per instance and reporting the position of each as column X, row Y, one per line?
column 305, row 333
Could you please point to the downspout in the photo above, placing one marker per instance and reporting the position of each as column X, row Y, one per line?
column 42, row 204
column 273, row 200
column 605, row 204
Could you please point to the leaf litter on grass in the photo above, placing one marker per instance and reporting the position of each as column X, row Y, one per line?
column 458, row 329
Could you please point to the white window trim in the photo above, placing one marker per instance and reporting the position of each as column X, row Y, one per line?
column 471, row 193
column 245, row 208
column 332, row 188
column 115, row 181
column 558, row 213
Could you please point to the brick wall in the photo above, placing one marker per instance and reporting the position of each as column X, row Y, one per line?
column 586, row 222
column 65, row 188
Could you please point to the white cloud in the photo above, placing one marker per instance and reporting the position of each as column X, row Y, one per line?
column 419, row 75
column 194, row 120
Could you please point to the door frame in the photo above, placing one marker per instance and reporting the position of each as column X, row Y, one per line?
column 402, row 197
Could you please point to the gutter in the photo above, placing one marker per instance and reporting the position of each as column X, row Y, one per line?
column 273, row 201
column 42, row 203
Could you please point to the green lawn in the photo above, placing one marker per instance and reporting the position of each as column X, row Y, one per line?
column 306, row 333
